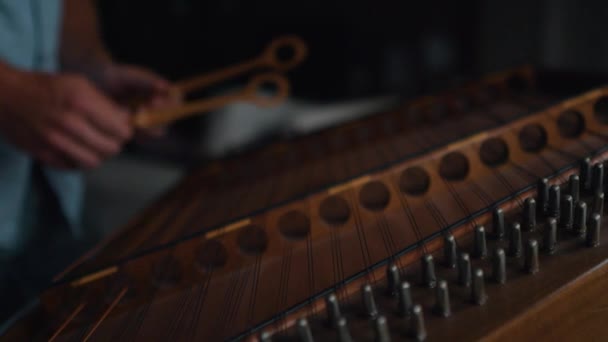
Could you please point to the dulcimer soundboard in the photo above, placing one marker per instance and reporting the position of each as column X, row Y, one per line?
column 475, row 213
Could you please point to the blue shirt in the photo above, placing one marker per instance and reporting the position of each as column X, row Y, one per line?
column 29, row 40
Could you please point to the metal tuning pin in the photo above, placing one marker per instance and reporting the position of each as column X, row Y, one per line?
column 333, row 309
column 265, row 336
column 405, row 299
column 585, row 172
column 543, row 195
column 428, row 271
column 597, row 178
column 550, row 236
column 464, row 270
column 593, row 234
column 450, row 256
column 480, row 249
column 531, row 259
column 417, row 328
column 515, row 245
column 304, row 332
column 343, row 332
column 442, row 299
column 381, row 329
column 567, row 215
column 499, row 266
column 529, row 214
column 498, row 223
column 574, row 187
column 554, row 201
column 367, row 294
column 393, row 279
column 478, row 293
column 580, row 218
column 598, row 203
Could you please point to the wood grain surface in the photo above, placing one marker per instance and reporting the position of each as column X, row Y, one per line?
column 289, row 236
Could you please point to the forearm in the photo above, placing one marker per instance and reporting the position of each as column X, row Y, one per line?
column 18, row 87
column 13, row 87
column 81, row 47
column 8, row 77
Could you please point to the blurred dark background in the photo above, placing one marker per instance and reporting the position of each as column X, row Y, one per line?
column 359, row 49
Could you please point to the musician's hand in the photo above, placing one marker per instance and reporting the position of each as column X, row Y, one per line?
column 61, row 120
column 126, row 82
